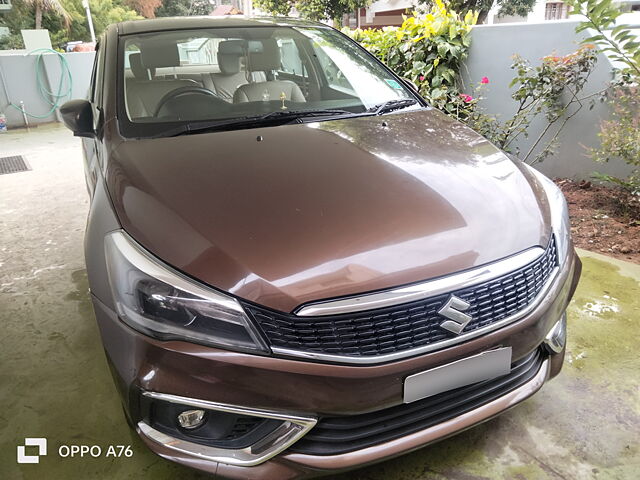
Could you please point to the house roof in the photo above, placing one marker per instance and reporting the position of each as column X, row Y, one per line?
column 222, row 10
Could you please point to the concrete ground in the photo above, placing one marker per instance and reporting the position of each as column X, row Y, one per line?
column 55, row 383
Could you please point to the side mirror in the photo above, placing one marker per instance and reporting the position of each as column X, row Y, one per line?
column 77, row 115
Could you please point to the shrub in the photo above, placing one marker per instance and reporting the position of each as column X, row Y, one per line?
column 551, row 90
column 619, row 136
column 428, row 49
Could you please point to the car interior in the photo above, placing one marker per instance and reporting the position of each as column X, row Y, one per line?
column 197, row 75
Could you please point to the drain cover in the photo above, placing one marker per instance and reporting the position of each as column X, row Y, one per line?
column 13, row 164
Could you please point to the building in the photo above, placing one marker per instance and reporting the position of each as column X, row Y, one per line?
column 547, row 10
column 389, row 13
column 222, row 10
column 231, row 7
column 380, row 14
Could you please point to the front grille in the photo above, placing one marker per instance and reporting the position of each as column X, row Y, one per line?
column 410, row 325
column 336, row 435
column 242, row 426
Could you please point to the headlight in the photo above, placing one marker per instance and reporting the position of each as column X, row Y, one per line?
column 159, row 301
column 559, row 214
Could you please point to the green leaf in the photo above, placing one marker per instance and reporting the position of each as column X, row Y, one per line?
column 448, row 75
column 618, row 29
column 595, row 39
column 419, row 66
column 623, row 37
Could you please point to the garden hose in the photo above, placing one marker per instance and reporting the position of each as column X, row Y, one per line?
column 52, row 98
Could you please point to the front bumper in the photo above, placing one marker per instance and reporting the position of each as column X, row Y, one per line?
column 310, row 390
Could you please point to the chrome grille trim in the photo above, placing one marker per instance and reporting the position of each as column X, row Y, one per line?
column 536, row 258
column 373, row 359
column 423, row 290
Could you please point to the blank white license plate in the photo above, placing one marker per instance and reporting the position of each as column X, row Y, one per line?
column 484, row 366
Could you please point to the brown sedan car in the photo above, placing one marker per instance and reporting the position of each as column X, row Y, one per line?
column 296, row 264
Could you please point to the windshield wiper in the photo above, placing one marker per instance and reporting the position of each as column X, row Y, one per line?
column 272, row 118
column 391, row 105
column 328, row 112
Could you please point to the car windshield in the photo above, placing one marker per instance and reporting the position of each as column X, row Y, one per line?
column 250, row 76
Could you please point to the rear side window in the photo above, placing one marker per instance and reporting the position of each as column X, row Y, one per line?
column 290, row 57
column 335, row 77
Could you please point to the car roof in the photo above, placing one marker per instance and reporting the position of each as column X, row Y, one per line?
column 180, row 23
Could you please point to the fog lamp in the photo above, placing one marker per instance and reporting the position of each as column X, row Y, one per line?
column 191, row 419
column 557, row 336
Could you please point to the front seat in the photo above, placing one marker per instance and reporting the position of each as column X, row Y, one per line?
column 264, row 56
column 138, row 70
column 231, row 75
column 144, row 91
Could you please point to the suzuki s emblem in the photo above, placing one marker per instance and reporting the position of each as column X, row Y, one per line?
column 453, row 311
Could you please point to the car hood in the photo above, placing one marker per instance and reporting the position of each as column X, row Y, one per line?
column 327, row 209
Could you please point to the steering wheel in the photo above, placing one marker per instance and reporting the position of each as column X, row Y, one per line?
column 186, row 90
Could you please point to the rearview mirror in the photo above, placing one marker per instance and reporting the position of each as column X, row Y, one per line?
column 77, row 115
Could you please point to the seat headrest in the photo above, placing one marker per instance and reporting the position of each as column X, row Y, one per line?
column 138, row 70
column 264, row 55
column 159, row 53
column 232, row 47
column 229, row 54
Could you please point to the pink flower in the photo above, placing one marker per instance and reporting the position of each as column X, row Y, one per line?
column 466, row 98
column 484, row 80
column 421, row 77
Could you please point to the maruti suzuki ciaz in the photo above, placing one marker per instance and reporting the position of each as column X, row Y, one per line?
column 296, row 264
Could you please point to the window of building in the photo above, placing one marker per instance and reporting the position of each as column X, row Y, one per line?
column 556, row 11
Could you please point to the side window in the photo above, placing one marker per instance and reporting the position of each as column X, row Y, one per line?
column 333, row 74
column 290, row 58
column 199, row 51
column 92, row 84
column 97, row 76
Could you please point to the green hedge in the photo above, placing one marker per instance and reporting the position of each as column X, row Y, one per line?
column 427, row 49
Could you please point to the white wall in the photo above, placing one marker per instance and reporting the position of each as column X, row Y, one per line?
column 491, row 54
column 18, row 82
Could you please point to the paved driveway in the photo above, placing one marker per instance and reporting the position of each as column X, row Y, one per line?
column 55, row 383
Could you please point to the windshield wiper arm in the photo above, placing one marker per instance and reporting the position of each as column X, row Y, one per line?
column 271, row 118
column 328, row 112
column 391, row 105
